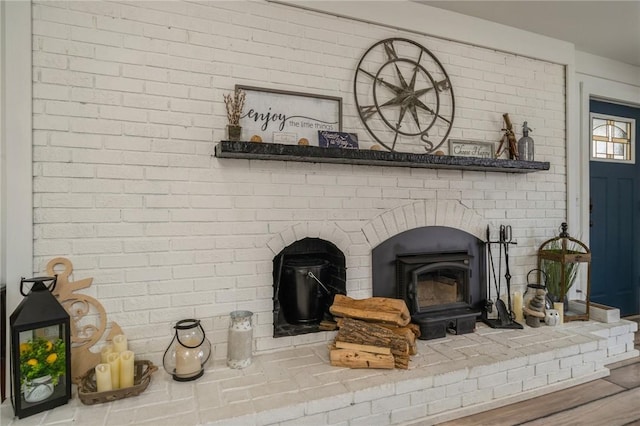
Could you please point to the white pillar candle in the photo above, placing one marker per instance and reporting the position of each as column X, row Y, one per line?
column 104, row 352
column 187, row 359
column 120, row 343
column 126, row 369
column 114, row 363
column 517, row 306
column 559, row 306
column 103, row 377
column 240, row 341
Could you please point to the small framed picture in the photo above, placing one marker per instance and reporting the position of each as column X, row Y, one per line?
column 467, row 148
column 337, row 140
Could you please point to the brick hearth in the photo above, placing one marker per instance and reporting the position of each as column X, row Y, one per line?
column 449, row 378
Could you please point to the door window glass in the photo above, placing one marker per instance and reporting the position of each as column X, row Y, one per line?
column 612, row 138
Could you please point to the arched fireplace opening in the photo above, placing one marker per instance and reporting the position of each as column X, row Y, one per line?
column 306, row 276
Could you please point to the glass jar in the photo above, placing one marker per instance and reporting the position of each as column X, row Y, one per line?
column 240, row 342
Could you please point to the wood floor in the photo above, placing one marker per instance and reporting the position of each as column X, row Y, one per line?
column 610, row 401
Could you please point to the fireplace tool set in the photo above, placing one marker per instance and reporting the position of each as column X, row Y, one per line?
column 505, row 316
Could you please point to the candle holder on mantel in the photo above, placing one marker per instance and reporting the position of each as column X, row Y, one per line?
column 188, row 351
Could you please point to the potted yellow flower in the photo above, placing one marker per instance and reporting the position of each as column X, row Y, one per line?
column 42, row 362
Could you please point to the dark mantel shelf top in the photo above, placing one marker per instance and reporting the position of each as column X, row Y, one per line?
column 314, row 154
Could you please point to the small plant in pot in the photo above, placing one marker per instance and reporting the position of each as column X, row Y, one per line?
column 234, row 104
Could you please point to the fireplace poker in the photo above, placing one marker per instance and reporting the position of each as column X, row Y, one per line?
column 505, row 314
column 506, row 238
column 489, row 304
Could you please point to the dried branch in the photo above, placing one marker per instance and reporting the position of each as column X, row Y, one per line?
column 235, row 105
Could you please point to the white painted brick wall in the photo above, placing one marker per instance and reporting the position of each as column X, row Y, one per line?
column 128, row 108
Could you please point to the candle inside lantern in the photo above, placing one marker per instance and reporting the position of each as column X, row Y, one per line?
column 517, row 306
column 126, row 369
column 120, row 343
column 103, row 377
column 113, row 360
column 559, row 306
column 187, row 359
column 104, row 353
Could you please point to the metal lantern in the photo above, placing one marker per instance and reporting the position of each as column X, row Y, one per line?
column 40, row 350
column 188, row 351
column 561, row 259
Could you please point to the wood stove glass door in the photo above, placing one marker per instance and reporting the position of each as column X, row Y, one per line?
column 442, row 285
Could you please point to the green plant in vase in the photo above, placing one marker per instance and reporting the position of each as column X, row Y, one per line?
column 553, row 271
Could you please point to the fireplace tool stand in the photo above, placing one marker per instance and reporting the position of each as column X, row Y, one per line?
column 506, row 316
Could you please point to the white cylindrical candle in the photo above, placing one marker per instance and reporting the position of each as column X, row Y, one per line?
column 114, row 363
column 103, row 377
column 559, row 306
column 187, row 359
column 104, row 352
column 517, row 306
column 126, row 369
column 120, row 343
column 240, row 341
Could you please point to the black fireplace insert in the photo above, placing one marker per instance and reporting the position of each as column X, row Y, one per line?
column 439, row 272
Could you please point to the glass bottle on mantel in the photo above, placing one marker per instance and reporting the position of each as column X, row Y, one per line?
column 240, row 342
column 525, row 144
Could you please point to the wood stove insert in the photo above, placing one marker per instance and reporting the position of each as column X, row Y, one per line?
column 440, row 273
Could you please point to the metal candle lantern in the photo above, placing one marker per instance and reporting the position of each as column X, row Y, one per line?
column 40, row 350
column 562, row 258
column 188, row 351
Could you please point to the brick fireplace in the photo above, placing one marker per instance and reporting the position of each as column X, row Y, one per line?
column 126, row 111
column 126, row 118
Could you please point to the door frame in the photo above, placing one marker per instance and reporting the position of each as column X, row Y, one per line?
column 601, row 90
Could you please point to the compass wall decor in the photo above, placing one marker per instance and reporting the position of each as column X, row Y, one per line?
column 404, row 96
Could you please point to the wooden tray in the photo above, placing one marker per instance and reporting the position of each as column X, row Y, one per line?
column 87, row 389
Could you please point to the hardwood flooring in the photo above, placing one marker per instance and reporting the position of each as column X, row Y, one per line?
column 610, row 401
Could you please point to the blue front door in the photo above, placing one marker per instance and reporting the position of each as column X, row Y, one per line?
column 615, row 223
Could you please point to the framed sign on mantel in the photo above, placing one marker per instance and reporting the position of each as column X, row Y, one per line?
column 290, row 118
column 467, row 148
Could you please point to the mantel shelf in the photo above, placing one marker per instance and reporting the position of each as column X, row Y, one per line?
column 314, row 154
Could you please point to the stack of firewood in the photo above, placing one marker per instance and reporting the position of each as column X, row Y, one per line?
column 373, row 333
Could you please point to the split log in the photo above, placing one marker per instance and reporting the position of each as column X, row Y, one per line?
column 358, row 359
column 362, row 348
column 408, row 334
column 365, row 333
column 327, row 326
column 376, row 309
